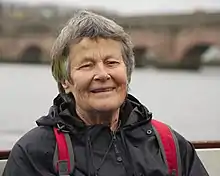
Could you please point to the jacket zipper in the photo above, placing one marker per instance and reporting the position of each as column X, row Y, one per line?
column 117, row 152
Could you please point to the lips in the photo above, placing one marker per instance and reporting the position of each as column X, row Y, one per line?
column 99, row 90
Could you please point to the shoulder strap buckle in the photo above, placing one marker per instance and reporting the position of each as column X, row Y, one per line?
column 64, row 155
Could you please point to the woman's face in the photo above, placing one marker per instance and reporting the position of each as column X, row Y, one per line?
column 98, row 74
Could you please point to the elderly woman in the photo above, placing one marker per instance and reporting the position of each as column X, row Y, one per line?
column 110, row 131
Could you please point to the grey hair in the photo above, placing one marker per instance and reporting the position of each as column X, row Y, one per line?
column 87, row 24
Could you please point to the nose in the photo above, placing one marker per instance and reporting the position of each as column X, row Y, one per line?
column 101, row 73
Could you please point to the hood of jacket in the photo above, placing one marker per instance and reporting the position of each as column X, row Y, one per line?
column 62, row 114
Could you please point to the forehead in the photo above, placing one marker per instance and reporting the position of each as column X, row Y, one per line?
column 98, row 47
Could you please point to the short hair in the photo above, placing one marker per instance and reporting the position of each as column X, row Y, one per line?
column 88, row 24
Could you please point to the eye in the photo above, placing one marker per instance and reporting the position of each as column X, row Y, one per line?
column 87, row 65
column 112, row 63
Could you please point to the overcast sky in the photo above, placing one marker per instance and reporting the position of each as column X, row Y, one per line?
column 137, row 6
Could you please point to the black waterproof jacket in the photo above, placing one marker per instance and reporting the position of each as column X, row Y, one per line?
column 131, row 151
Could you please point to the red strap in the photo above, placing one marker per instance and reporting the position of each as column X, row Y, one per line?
column 168, row 143
column 63, row 154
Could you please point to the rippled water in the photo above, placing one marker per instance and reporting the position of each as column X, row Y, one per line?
column 188, row 101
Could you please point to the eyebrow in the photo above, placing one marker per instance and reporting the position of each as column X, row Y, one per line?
column 87, row 59
column 111, row 56
column 91, row 59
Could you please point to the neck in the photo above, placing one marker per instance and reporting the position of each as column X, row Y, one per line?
column 109, row 118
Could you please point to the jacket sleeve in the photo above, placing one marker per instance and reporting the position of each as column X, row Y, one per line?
column 191, row 164
column 31, row 156
column 20, row 163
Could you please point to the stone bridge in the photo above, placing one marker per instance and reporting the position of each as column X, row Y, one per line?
column 168, row 39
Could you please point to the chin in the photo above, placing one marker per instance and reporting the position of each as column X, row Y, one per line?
column 106, row 103
column 105, row 106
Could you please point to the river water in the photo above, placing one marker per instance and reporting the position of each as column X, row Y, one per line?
column 188, row 101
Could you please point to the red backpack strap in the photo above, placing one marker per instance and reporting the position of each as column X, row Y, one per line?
column 63, row 156
column 169, row 147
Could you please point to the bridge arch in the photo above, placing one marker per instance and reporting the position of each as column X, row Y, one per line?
column 144, row 56
column 191, row 44
column 1, row 55
column 193, row 55
column 140, row 55
column 31, row 54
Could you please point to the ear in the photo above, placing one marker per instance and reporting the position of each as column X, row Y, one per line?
column 66, row 86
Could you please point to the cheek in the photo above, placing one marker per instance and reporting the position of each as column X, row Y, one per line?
column 124, row 82
column 80, row 82
column 124, row 89
column 121, row 77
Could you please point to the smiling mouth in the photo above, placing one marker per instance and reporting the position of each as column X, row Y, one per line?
column 103, row 90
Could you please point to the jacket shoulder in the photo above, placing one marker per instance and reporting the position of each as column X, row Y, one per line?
column 191, row 163
column 189, row 159
column 36, row 138
column 36, row 143
column 185, row 146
